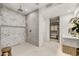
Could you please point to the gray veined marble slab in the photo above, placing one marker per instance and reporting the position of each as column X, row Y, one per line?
column 12, row 28
column 12, row 36
column 12, row 18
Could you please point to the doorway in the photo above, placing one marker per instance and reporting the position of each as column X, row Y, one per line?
column 54, row 28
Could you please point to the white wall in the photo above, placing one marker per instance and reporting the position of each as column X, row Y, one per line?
column 44, row 29
column 41, row 29
column 64, row 24
column 12, row 28
column 32, row 24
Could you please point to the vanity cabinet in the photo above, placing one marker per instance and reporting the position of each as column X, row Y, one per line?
column 70, row 50
column 70, row 45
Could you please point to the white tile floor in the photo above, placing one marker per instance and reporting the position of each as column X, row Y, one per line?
column 48, row 49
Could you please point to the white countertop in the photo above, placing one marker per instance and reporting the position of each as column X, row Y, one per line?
column 70, row 41
column 70, row 37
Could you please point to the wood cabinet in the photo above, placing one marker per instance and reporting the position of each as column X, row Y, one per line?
column 70, row 50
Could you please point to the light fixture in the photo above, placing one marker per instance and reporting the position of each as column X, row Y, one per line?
column 26, row 9
column 37, row 3
column 20, row 8
column 49, row 5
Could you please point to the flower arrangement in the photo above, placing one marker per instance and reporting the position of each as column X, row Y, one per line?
column 74, row 30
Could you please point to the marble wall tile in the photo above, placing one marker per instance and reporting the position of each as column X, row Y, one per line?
column 12, row 18
column 12, row 36
column 15, row 32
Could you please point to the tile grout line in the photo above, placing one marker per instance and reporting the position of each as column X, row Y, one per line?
column 13, row 26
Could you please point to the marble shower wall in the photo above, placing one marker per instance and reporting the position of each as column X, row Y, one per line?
column 13, row 28
column 12, row 36
column 12, row 18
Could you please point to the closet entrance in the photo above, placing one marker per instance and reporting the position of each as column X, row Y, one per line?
column 54, row 28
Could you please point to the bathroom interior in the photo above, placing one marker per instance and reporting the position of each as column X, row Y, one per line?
column 38, row 29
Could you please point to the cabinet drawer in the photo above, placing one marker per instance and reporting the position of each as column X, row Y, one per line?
column 69, row 50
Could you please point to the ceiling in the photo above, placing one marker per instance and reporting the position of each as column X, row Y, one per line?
column 60, row 10
column 49, row 9
column 27, row 7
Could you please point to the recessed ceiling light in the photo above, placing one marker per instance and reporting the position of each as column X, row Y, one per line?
column 37, row 3
column 20, row 8
column 26, row 9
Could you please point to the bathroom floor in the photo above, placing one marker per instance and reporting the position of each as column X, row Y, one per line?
column 48, row 49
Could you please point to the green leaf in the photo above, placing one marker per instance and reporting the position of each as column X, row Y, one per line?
column 77, row 25
column 77, row 30
column 74, row 28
